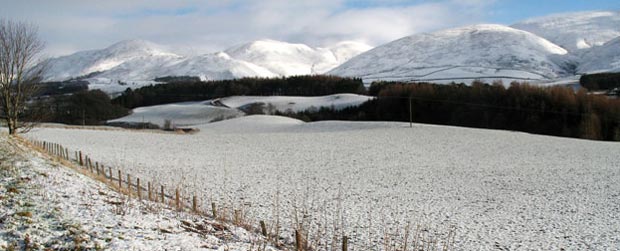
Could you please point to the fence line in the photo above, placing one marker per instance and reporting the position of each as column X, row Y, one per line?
column 124, row 185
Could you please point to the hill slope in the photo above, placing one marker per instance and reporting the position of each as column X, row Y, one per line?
column 605, row 58
column 462, row 54
column 575, row 31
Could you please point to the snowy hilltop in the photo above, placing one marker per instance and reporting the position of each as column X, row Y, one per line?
column 575, row 31
column 286, row 59
column 472, row 52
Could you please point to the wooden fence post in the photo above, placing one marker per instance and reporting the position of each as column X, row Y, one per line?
column 263, row 228
column 138, row 188
column 237, row 217
column 81, row 160
column 194, row 204
column 120, row 179
column 110, row 172
column 150, row 192
column 177, row 200
column 162, row 194
column 129, row 185
column 213, row 210
column 345, row 244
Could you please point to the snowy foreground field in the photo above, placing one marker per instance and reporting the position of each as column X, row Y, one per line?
column 499, row 190
column 47, row 206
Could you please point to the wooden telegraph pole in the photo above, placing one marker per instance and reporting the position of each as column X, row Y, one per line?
column 410, row 113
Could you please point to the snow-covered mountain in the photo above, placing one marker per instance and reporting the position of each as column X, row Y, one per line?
column 485, row 51
column 86, row 62
column 286, row 59
column 605, row 58
column 139, row 62
column 575, row 31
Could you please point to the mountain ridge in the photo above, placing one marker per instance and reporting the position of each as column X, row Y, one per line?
column 140, row 62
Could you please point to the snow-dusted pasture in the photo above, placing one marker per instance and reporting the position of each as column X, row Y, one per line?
column 297, row 104
column 498, row 189
column 202, row 112
column 181, row 114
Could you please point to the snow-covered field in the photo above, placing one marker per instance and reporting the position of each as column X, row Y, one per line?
column 181, row 114
column 46, row 206
column 202, row 112
column 297, row 104
column 498, row 189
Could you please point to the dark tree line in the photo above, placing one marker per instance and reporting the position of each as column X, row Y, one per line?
column 61, row 88
column 558, row 111
column 181, row 91
column 81, row 108
column 600, row 81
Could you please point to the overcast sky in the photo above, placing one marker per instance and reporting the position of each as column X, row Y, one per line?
column 200, row 26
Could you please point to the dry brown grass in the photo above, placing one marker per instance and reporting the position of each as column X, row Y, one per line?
column 27, row 214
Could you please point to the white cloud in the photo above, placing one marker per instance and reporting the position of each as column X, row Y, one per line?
column 201, row 26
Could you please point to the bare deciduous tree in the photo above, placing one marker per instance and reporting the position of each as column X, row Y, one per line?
column 19, row 48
